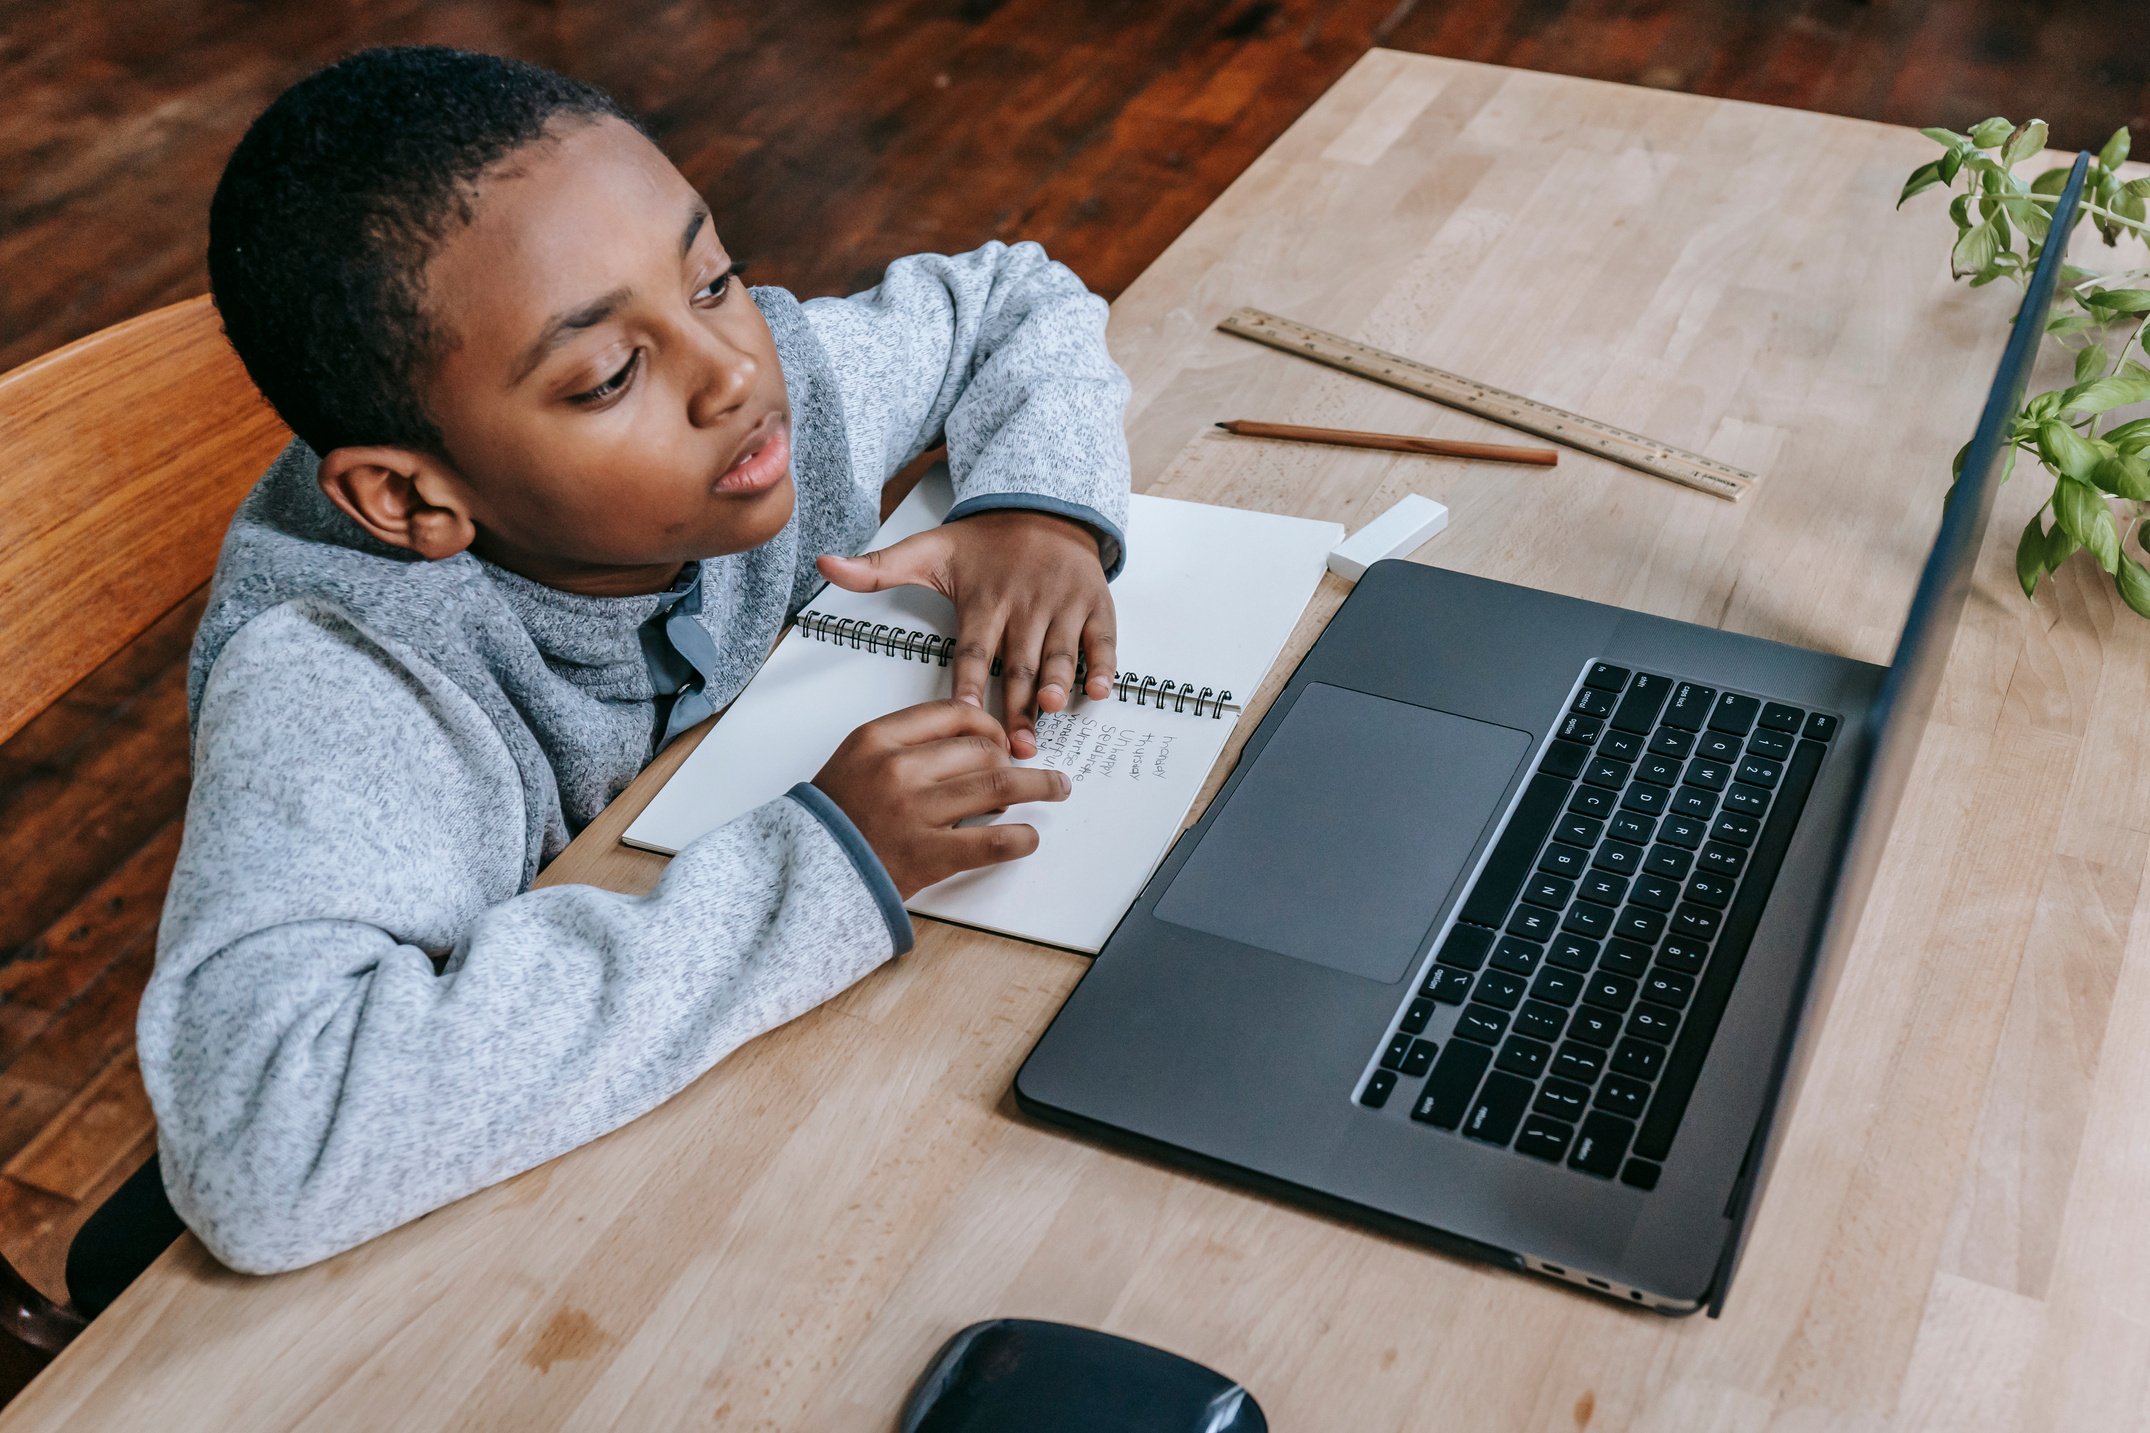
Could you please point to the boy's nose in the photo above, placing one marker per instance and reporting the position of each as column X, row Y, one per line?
column 724, row 377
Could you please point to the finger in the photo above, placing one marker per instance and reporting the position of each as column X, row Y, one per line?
column 1100, row 651
column 994, row 789
column 974, row 846
column 938, row 721
column 1056, row 673
column 918, row 561
column 977, row 640
column 933, row 762
column 1019, row 649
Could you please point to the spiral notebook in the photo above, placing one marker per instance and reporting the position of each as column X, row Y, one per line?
column 1206, row 601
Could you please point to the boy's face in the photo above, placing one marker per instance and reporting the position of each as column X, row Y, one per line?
column 609, row 398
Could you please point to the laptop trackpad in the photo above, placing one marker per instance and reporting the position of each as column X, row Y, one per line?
column 1342, row 843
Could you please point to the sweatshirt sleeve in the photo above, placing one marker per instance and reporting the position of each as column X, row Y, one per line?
column 1002, row 351
column 317, row 1077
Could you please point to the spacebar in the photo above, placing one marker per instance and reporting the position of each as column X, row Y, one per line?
column 1518, row 846
column 1715, row 991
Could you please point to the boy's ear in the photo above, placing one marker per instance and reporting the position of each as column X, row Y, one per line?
column 406, row 498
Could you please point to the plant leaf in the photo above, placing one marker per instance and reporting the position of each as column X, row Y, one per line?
column 2050, row 182
column 2030, row 556
column 2119, row 301
column 2134, row 585
column 2130, row 437
column 2068, row 323
column 2123, row 476
column 2066, row 452
column 1974, row 250
column 1923, row 178
column 2081, row 510
column 2027, row 139
column 2116, row 149
column 1944, row 136
column 1988, row 133
column 2089, row 364
column 2030, row 218
column 2103, row 395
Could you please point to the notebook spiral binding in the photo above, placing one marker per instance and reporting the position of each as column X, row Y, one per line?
column 915, row 646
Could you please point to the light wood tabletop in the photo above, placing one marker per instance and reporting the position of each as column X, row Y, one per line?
column 1952, row 1237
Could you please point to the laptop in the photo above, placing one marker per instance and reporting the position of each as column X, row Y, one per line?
column 1510, row 929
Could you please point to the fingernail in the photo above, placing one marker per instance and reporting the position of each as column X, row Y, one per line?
column 1051, row 689
column 1065, row 785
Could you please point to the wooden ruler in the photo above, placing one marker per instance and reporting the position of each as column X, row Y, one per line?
column 1586, row 434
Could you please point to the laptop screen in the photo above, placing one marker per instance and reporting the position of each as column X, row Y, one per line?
column 1898, row 717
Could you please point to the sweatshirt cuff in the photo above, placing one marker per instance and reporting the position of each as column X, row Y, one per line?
column 1111, row 542
column 870, row 869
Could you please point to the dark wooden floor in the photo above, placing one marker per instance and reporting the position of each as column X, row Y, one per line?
column 829, row 137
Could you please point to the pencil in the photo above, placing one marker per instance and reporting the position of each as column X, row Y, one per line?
column 1393, row 442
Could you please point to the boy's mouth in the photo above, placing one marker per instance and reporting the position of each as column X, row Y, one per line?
column 764, row 460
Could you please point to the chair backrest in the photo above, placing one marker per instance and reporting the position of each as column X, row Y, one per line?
column 122, row 457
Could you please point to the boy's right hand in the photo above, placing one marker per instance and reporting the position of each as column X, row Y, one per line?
column 906, row 779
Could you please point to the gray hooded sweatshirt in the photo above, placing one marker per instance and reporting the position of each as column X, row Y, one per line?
column 388, row 750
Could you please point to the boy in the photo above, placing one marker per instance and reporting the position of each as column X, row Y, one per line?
column 561, row 481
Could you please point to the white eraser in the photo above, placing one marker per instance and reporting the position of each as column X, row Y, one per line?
column 1395, row 533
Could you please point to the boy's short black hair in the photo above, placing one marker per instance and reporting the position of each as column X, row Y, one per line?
column 331, row 207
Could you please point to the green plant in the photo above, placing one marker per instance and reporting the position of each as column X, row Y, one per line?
column 2002, row 226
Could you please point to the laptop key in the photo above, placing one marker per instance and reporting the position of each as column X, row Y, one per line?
column 1641, row 1174
column 1717, row 746
column 1420, row 1060
column 1532, row 923
column 1579, row 1062
column 1671, row 741
column 1591, row 801
column 1698, row 921
column 1606, row 677
column 1680, row 829
column 1620, row 746
column 1603, row 887
column 1733, row 827
column 1562, row 1099
column 1746, row 800
column 1658, row 771
column 1618, row 857
column 1773, row 744
column 1564, row 758
column 1540, row 1021
column 1709, row 773
column 1517, row 957
column 1398, row 1047
column 1563, row 860
column 1600, row 1144
column 1713, row 992
column 1466, row 947
column 1552, row 892
column 1576, row 830
column 1523, row 1056
column 1760, row 771
column 1613, row 992
column 1594, row 703
column 1498, row 988
column 1446, row 987
column 1820, row 726
column 1586, row 918
column 1713, row 891
column 1669, row 861
column 1668, row 987
column 1609, row 774
column 1555, row 984
column 1641, row 923
column 1638, row 1059
column 1651, row 800
column 1448, row 1090
column 1659, row 893
column 1495, row 889
column 1499, row 1109
column 1630, row 826
column 1573, row 952
column 1684, row 955
column 1376, row 1093
column 1652, row 1022
column 1594, row 1027
column 1696, row 801
column 1625, row 957
column 1577, row 727
column 1623, row 1096
column 1640, row 705
column 1415, row 1016
column 1689, row 708
column 1544, row 1138
column 1481, row 1023
column 1734, row 714
column 1776, row 716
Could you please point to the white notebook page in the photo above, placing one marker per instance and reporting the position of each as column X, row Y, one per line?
column 1208, row 595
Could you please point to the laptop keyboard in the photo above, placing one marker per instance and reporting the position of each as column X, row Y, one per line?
column 1571, row 1005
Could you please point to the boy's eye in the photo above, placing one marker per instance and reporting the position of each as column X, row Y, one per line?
column 611, row 385
column 715, row 290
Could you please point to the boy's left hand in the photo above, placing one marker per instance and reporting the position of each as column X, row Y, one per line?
column 1028, row 589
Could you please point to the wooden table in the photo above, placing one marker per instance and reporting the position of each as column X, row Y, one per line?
column 1952, row 1239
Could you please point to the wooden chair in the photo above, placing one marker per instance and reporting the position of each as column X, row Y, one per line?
column 122, row 457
